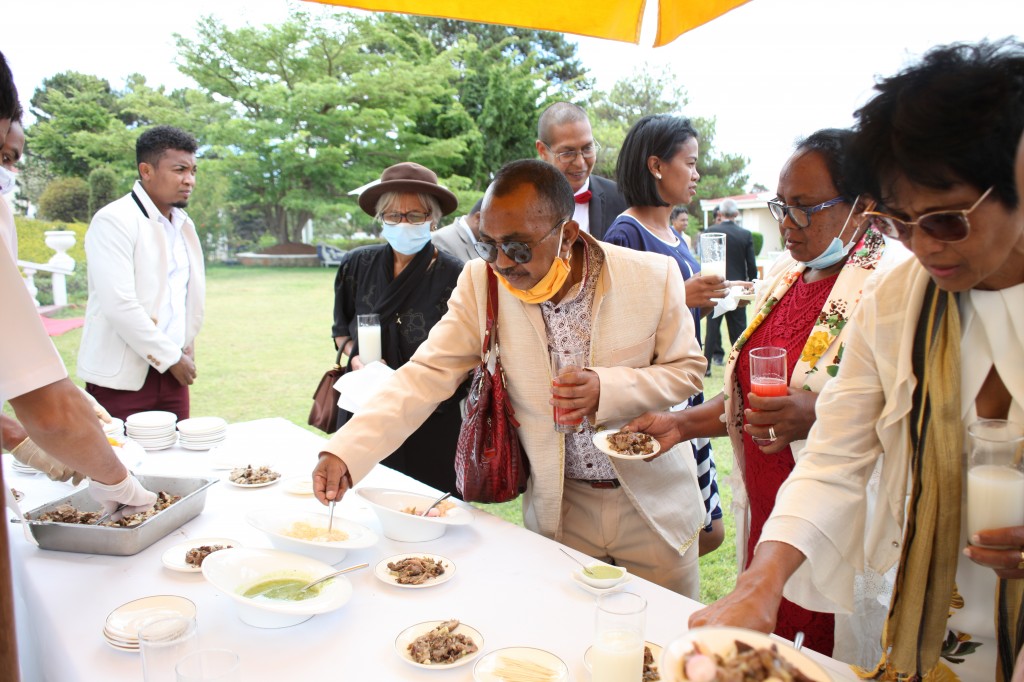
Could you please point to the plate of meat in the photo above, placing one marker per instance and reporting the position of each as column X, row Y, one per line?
column 187, row 556
column 439, row 644
column 415, row 571
column 626, row 445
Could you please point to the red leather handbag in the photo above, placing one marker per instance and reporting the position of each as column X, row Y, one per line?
column 490, row 465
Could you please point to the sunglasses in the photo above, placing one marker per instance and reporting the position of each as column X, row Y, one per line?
column 800, row 215
column 943, row 226
column 520, row 252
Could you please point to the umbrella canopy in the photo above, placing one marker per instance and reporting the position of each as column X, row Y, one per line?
column 611, row 19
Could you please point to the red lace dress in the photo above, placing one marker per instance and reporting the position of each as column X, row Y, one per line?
column 788, row 326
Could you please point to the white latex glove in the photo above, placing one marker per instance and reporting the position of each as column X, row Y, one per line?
column 27, row 452
column 101, row 412
column 128, row 492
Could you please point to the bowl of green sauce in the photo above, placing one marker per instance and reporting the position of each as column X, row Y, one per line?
column 602, row 576
column 264, row 585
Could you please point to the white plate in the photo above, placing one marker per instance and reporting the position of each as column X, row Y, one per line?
column 721, row 639
column 200, row 426
column 174, row 557
column 385, row 575
column 601, row 442
column 300, row 485
column 655, row 651
column 596, row 591
column 152, row 419
column 484, row 670
column 227, row 479
column 199, row 446
column 124, row 621
column 406, row 636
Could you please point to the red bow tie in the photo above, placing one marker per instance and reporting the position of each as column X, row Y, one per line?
column 584, row 197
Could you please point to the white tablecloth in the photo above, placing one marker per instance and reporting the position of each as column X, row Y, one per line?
column 513, row 585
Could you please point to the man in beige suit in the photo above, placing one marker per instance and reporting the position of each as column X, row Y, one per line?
column 626, row 310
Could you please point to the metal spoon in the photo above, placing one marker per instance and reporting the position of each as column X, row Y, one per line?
column 330, row 522
column 435, row 503
column 110, row 513
column 798, row 641
column 586, row 569
column 331, row 575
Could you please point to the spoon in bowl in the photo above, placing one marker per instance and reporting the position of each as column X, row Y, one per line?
column 586, row 569
column 435, row 503
column 331, row 575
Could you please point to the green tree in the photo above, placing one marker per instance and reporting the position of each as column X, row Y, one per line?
column 65, row 200
column 102, row 188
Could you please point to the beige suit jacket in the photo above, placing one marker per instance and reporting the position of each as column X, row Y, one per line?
column 643, row 349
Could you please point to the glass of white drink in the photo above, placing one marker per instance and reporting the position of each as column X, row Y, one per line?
column 995, row 475
column 369, row 338
column 618, row 652
column 712, row 254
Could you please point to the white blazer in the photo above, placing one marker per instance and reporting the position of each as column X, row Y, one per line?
column 127, row 255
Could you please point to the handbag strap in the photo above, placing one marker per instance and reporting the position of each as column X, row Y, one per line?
column 491, row 332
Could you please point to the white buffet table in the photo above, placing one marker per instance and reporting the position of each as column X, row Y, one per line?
column 512, row 585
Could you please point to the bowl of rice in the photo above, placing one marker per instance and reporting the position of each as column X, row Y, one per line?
column 306, row 533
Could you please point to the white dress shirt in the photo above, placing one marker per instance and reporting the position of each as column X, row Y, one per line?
column 581, row 214
column 172, row 308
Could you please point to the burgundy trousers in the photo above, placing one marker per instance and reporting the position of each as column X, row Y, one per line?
column 159, row 392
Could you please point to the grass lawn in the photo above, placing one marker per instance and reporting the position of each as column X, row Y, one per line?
column 266, row 341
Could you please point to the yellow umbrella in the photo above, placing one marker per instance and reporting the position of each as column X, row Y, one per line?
column 611, row 19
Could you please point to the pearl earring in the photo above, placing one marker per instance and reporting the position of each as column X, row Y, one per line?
column 658, row 176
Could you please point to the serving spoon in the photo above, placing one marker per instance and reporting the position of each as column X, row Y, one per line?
column 586, row 569
column 435, row 503
column 331, row 575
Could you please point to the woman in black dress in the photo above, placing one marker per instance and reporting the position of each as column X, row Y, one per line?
column 407, row 282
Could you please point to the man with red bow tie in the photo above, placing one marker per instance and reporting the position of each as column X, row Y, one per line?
column 566, row 141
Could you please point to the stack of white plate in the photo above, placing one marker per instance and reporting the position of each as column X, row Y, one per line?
column 114, row 428
column 152, row 430
column 23, row 468
column 201, row 433
column 122, row 627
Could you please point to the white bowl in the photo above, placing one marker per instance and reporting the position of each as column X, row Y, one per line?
column 602, row 583
column 277, row 522
column 397, row 525
column 233, row 571
column 721, row 640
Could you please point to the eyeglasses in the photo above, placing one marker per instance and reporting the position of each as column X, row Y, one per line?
column 566, row 157
column 800, row 215
column 411, row 217
column 520, row 252
column 944, row 226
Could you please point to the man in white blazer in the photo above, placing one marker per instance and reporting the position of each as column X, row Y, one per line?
column 146, row 285
column 626, row 310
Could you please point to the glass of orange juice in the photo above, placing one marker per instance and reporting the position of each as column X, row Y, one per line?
column 768, row 376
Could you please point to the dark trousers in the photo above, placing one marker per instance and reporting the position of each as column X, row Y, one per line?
column 736, row 320
column 159, row 392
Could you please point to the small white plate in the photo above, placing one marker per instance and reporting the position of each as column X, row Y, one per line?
column 153, row 420
column 385, row 575
column 486, row 668
column 406, row 637
column 655, row 651
column 300, row 485
column 198, row 426
column 124, row 621
column 601, row 442
column 596, row 591
column 227, row 479
column 174, row 557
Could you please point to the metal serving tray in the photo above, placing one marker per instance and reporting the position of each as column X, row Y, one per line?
column 77, row 537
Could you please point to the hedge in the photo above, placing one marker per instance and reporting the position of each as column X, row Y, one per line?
column 32, row 247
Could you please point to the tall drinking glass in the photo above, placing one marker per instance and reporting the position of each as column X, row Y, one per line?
column 712, row 254
column 995, row 475
column 561, row 363
column 768, row 376
column 369, row 338
column 163, row 643
column 618, row 652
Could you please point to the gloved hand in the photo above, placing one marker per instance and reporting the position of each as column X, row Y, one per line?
column 128, row 492
column 27, row 452
column 101, row 412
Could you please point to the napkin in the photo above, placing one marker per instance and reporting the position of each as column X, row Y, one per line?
column 358, row 388
column 727, row 303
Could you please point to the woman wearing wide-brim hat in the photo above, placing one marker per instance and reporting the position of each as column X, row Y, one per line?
column 407, row 282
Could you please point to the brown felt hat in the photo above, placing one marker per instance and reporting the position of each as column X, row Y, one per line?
column 407, row 177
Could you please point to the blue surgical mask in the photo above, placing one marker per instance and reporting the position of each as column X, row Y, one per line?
column 836, row 250
column 6, row 181
column 405, row 238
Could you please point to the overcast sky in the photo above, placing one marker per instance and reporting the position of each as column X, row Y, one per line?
column 770, row 71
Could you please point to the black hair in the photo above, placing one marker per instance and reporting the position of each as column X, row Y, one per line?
column 675, row 213
column 832, row 144
column 658, row 135
column 9, row 105
column 558, row 114
column 154, row 143
column 548, row 181
column 956, row 116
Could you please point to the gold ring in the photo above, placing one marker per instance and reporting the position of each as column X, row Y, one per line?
column 1020, row 566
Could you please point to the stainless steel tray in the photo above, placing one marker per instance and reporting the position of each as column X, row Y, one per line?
column 76, row 537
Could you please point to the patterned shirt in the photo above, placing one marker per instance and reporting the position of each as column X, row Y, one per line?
column 568, row 324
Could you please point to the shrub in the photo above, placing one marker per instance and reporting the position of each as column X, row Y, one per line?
column 758, row 242
column 32, row 247
column 102, row 188
column 65, row 200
